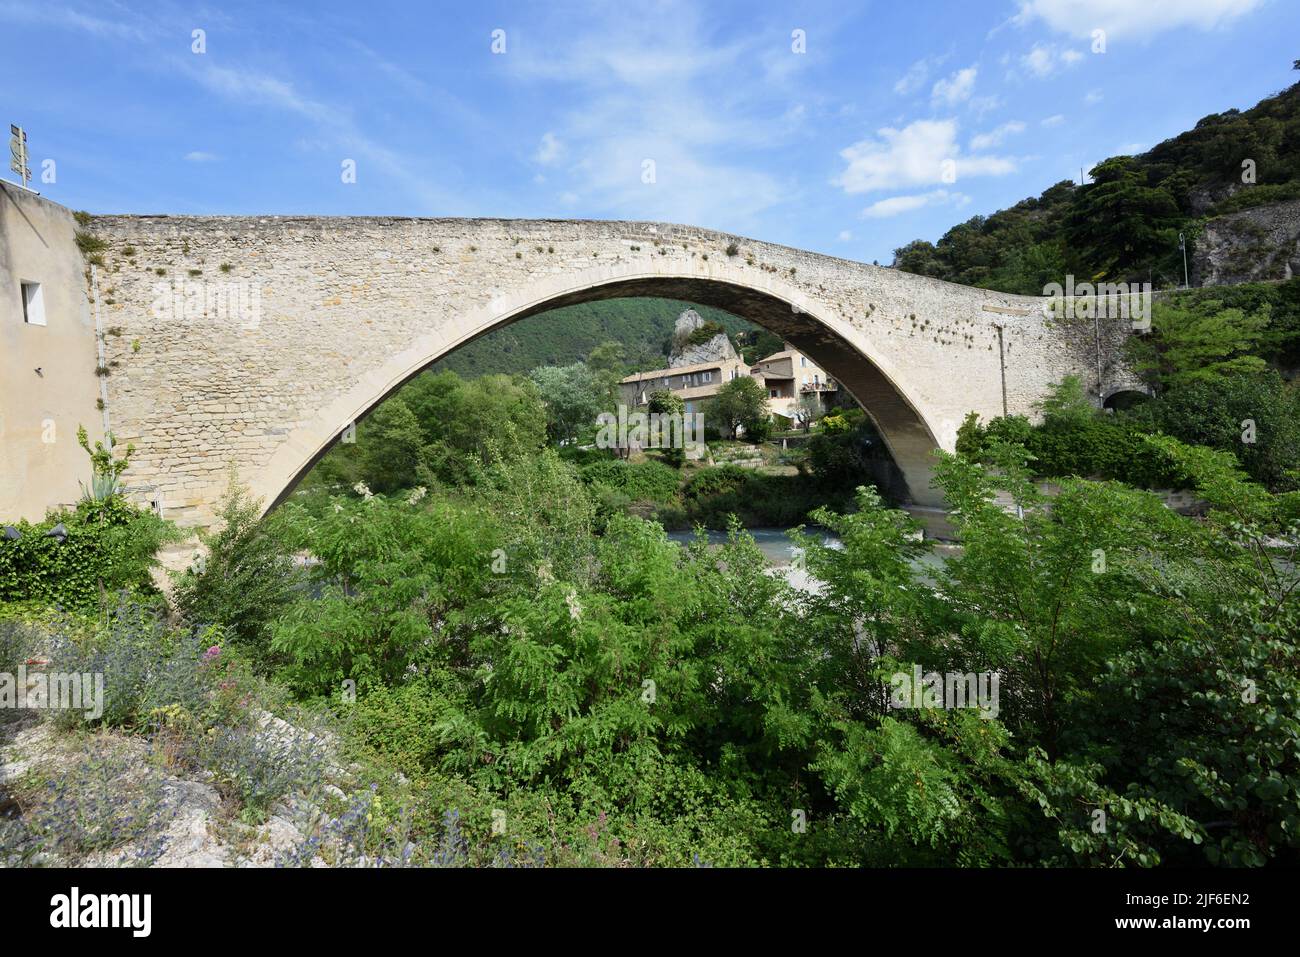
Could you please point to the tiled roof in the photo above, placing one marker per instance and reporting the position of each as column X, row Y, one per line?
column 682, row 370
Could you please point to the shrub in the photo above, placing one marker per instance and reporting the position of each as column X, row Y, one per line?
column 640, row 482
column 105, row 801
column 110, row 546
column 145, row 665
column 248, row 576
column 257, row 768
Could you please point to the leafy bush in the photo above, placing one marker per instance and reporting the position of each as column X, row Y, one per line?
column 110, row 546
column 640, row 482
column 248, row 576
column 394, row 584
column 258, row 769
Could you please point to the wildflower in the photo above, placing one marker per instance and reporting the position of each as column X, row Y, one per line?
column 575, row 610
column 212, row 653
column 416, row 495
column 363, row 490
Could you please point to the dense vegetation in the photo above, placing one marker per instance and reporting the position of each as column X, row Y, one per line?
column 551, row 695
column 643, row 326
column 1123, row 225
column 1206, row 364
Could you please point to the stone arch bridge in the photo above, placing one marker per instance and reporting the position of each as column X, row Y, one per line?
column 256, row 340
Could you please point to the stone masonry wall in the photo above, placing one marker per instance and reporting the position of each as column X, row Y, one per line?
column 352, row 307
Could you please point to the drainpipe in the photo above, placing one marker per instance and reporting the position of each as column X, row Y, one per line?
column 99, row 349
column 1101, row 389
column 1002, row 363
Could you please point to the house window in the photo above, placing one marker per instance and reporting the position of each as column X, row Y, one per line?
column 33, row 304
column 803, row 361
column 775, row 394
column 708, row 377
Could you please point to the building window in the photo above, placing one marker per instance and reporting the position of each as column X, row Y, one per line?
column 776, row 394
column 803, row 361
column 708, row 377
column 33, row 304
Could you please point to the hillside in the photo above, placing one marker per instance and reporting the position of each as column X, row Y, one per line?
column 1124, row 224
column 644, row 327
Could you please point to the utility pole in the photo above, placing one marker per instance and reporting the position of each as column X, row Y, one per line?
column 1182, row 246
column 18, row 153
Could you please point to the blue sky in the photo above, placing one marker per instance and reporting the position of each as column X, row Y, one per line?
column 840, row 148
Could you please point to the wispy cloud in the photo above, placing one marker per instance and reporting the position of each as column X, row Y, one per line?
column 646, row 131
column 1138, row 19
column 918, row 74
column 995, row 137
column 952, row 90
column 1045, row 59
column 549, row 149
column 129, row 27
column 897, row 205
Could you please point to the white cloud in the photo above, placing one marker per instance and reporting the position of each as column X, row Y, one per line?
column 1131, row 18
column 1056, row 119
column 1093, row 97
column 549, row 150
column 994, row 137
column 917, row 74
column 1044, row 59
column 913, row 156
column 954, row 89
column 896, row 205
column 199, row 156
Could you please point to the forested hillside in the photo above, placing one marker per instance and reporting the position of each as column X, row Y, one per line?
column 1124, row 223
column 562, row 336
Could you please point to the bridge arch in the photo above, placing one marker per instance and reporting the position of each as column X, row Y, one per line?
column 349, row 308
column 776, row 305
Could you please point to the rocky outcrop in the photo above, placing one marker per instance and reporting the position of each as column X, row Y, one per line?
column 190, row 827
column 1253, row 245
column 686, row 352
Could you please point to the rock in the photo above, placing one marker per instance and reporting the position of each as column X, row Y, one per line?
column 190, row 842
column 1262, row 243
column 684, row 354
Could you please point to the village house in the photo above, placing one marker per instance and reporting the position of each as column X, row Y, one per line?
column 787, row 376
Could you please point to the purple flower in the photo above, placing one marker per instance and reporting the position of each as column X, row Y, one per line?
column 212, row 652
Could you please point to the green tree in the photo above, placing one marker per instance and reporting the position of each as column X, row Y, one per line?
column 1199, row 342
column 247, row 576
column 1066, row 405
column 389, row 443
column 664, row 402
column 572, row 396
column 1119, row 222
column 741, row 403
